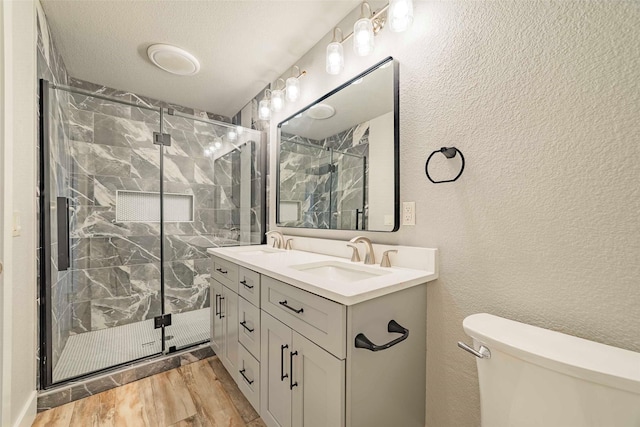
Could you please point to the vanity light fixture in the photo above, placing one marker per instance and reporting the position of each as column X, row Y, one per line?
column 363, row 35
column 400, row 15
column 264, row 106
column 398, row 12
column 335, row 54
column 277, row 97
column 292, row 89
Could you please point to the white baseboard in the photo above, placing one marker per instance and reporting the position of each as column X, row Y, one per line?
column 28, row 412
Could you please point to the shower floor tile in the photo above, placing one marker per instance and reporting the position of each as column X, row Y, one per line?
column 104, row 348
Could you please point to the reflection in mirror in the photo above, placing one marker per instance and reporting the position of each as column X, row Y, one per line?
column 338, row 158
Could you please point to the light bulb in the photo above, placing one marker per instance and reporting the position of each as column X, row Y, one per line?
column 363, row 37
column 293, row 89
column 217, row 143
column 335, row 58
column 232, row 135
column 400, row 15
column 239, row 130
column 264, row 110
column 277, row 100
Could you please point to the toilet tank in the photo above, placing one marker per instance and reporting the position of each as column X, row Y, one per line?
column 537, row 377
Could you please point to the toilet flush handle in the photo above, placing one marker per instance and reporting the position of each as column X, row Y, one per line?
column 483, row 353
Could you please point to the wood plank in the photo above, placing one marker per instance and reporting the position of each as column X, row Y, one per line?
column 145, row 392
column 257, row 423
column 233, row 392
column 106, row 416
column 56, row 417
column 130, row 411
column 171, row 397
column 213, row 403
column 86, row 412
column 193, row 421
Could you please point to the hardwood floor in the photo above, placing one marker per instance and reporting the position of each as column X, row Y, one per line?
column 200, row 394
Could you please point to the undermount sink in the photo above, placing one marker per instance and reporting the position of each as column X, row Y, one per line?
column 252, row 250
column 339, row 271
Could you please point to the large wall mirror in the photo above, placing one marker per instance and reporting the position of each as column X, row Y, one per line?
column 338, row 162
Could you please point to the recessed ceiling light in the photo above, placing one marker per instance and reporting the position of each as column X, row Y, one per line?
column 321, row 112
column 173, row 60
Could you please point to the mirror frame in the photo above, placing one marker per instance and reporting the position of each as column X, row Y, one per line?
column 396, row 145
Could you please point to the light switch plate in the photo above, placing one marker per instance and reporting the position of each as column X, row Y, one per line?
column 408, row 213
column 17, row 226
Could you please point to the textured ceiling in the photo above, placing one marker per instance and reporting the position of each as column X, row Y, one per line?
column 241, row 45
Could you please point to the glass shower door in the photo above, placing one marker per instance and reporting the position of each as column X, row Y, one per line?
column 348, row 191
column 212, row 198
column 100, row 204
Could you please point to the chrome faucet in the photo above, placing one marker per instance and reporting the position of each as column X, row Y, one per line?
column 370, row 257
column 278, row 238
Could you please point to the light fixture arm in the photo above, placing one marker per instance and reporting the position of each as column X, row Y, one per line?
column 335, row 36
column 374, row 16
column 362, row 6
column 278, row 82
column 267, row 96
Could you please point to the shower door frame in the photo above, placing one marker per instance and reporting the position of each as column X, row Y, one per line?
column 45, row 303
column 45, row 265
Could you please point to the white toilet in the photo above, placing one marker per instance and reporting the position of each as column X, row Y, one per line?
column 531, row 376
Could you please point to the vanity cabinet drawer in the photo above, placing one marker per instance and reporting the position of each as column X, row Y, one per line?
column 320, row 320
column 249, row 327
column 226, row 273
column 248, row 377
column 249, row 285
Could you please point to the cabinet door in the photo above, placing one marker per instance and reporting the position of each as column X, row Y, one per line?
column 217, row 334
column 230, row 327
column 318, row 397
column 275, row 394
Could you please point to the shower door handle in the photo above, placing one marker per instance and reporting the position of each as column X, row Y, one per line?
column 62, row 210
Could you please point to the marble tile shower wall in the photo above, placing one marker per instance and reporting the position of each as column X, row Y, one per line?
column 50, row 66
column 330, row 186
column 116, row 271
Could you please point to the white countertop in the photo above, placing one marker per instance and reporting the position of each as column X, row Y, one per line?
column 280, row 267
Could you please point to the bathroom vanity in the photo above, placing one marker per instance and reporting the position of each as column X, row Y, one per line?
column 316, row 340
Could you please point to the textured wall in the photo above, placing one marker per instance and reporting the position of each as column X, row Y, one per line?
column 17, row 195
column 543, row 98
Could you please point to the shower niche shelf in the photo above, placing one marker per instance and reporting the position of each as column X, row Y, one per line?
column 141, row 206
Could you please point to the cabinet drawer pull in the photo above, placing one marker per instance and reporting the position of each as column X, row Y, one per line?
column 221, row 315
column 244, row 325
column 284, row 303
column 291, row 383
column 217, row 310
column 363, row 342
column 219, row 270
column 282, row 374
column 244, row 282
column 245, row 377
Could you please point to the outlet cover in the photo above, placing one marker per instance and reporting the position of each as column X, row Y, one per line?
column 408, row 213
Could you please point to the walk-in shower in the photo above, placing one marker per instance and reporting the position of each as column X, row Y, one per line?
column 321, row 187
column 132, row 195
